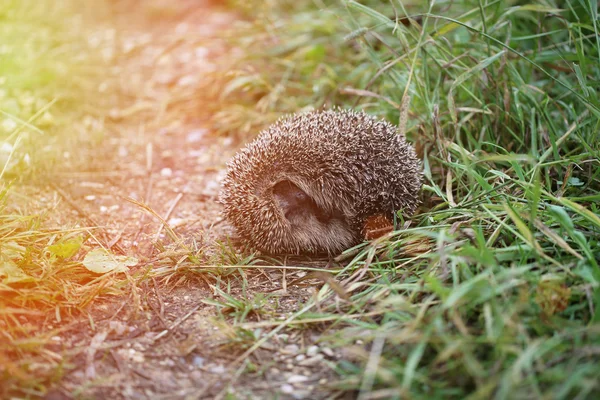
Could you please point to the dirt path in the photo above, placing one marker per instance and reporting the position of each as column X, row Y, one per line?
column 164, row 341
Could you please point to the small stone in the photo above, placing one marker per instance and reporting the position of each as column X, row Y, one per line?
column 290, row 349
column 301, row 394
column 328, row 352
column 118, row 327
column 167, row 363
column 187, row 80
column 312, row 361
column 6, row 147
column 175, row 222
column 297, row 379
column 300, row 357
column 287, row 389
column 90, row 197
column 166, row 172
column 198, row 361
column 201, row 52
column 196, row 135
column 219, row 369
column 197, row 376
column 136, row 356
column 182, row 28
column 312, row 351
column 9, row 125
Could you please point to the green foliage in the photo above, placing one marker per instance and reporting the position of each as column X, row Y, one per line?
column 494, row 290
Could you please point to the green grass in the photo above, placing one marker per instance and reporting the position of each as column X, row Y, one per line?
column 493, row 291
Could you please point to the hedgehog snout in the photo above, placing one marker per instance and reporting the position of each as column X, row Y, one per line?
column 310, row 226
column 290, row 198
column 295, row 204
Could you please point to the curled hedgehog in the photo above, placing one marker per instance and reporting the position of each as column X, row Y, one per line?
column 309, row 183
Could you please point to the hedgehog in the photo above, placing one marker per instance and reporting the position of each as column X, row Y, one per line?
column 308, row 184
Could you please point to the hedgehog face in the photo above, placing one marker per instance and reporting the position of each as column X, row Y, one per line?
column 309, row 228
column 296, row 206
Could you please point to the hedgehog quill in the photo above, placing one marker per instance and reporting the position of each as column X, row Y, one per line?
column 309, row 182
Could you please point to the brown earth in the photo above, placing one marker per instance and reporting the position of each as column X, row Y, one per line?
column 165, row 341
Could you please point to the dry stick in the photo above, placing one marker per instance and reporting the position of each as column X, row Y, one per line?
column 161, row 314
column 147, row 208
column 85, row 215
column 116, row 239
column 284, row 281
column 149, row 186
column 167, row 215
column 176, row 323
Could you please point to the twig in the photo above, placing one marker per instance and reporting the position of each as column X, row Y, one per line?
column 176, row 323
column 167, row 215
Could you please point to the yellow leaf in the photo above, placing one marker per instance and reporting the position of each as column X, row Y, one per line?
column 101, row 261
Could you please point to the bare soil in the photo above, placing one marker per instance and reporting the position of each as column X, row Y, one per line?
column 163, row 341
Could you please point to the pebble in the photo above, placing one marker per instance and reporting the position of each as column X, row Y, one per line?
column 312, row 361
column 290, row 349
column 9, row 125
column 301, row 394
column 219, row 369
column 198, row 361
column 175, row 222
column 136, row 356
column 297, row 379
column 118, row 327
column 312, row 351
column 196, row 135
column 197, row 376
column 167, row 362
column 287, row 388
column 328, row 352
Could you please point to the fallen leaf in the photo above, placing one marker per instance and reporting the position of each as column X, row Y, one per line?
column 101, row 261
